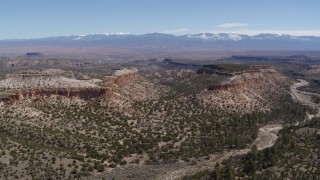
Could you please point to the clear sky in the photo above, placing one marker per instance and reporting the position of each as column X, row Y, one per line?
column 43, row 18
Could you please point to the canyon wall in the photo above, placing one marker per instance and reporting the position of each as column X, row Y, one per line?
column 70, row 88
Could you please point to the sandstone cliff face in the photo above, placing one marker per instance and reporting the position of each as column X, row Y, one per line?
column 44, row 83
column 123, row 85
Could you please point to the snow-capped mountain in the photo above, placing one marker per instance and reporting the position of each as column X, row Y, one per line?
column 270, row 36
column 218, row 37
column 226, row 41
column 117, row 34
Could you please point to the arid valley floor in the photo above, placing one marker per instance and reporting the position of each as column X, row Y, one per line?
column 235, row 117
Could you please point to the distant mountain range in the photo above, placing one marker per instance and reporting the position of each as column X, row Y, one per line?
column 223, row 41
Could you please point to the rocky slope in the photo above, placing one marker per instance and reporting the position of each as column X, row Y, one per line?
column 127, row 86
column 245, row 91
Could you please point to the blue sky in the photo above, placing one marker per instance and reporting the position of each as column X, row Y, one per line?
column 42, row 18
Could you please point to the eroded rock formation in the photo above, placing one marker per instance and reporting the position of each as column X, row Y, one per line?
column 248, row 78
column 246, row 92
column 313, row 69
column 44, row 86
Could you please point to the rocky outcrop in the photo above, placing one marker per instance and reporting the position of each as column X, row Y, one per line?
column 64, row 86
column 32, row 84
column 128, row 85
column 231, row 86
column 246, row 92
column 120, row 78
column 247, row 78
column 313, row 69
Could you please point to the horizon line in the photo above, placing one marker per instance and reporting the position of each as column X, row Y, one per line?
column 172, row 34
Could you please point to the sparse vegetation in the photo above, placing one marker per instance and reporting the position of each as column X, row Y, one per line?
column 294, row 156
column 160, row 116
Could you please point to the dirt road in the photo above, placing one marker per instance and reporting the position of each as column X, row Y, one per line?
column 267, row 136
column 298, row 95
column 304, row 97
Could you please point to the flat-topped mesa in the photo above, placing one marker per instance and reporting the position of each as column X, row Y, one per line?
column 313, row 69
column 29, row 85
column 247, row 78
column 44, row 83
column 44, row 79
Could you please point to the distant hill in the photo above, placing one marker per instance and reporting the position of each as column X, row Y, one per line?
column 220, row 41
